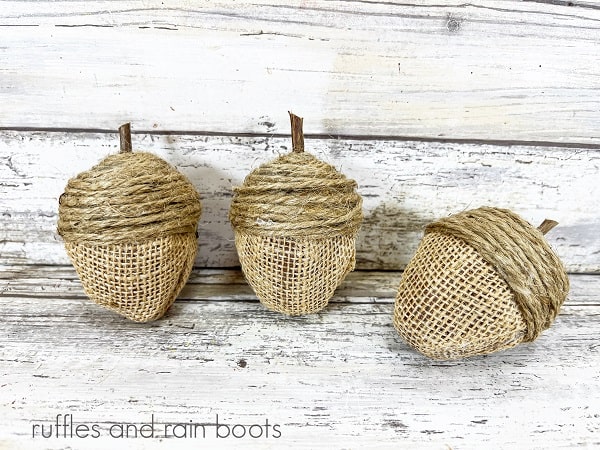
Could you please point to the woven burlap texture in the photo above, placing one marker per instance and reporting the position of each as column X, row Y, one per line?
column 295, row 221
column 295, row 275
column 137, row 280
column 129, row 226
column 481, row 281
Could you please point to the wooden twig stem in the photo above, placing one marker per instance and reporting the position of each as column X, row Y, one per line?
column 125, row 138
column 297, row 133
column 547, row 225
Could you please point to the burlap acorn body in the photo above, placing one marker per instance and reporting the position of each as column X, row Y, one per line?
column 295, row 275
column 295, row 221
column 129, row 226
column 481, row 281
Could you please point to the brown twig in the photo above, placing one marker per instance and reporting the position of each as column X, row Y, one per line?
column 125, row 138
column 547, row 225
column 297, row 133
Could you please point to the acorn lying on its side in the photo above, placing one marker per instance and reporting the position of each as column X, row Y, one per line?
column 481, row 281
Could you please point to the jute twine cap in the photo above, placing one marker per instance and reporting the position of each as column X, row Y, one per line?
column 481, row 281
column 129, row 226
column 295, row 221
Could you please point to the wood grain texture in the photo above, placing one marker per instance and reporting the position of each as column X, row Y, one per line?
column 433, row 107
column 502, row 70
column 339, row 378
column 39, row 282
column 405, row 185
column 203, row 284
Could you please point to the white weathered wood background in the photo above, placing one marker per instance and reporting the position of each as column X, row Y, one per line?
column 433, row 108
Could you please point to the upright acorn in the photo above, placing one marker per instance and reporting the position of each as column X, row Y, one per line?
column 481, row 281
column 295, row 221
column 129, row 227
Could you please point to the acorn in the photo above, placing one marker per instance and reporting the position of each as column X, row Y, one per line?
column 295, row 221
column 481, row 281
column 129, row 227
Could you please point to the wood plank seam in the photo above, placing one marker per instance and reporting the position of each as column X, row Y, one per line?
column 315, row 136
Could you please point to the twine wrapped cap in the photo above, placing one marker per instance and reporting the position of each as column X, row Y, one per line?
column 522, row 257
column 128, row 197
column 296, row 195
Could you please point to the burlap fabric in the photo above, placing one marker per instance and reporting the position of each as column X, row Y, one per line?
column 129, row 226
column 295, row 276
column 295, row 221
column 481, row 281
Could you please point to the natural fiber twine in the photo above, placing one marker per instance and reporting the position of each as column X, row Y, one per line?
column 297, row 195
column 295, row 221
column 129, row 226
column 128, row 197
column 481, row 281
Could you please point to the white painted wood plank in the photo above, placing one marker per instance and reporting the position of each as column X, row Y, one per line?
column 492, row 70
column 339, row 379
column 405, row 185
column 229, row 285
column 203, row 284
